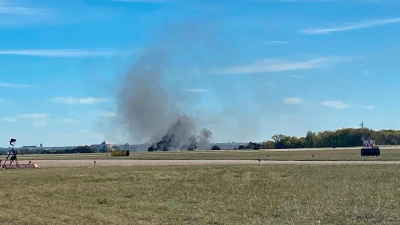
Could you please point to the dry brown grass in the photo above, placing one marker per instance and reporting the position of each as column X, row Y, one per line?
column 246, row 194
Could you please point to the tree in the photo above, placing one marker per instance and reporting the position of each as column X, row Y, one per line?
column 254, row 146
column 215, row 147
column 281, row 141
column 310, row 139
column 241, row 147
column 84, row 149
column 268, row 145
column 250, row 145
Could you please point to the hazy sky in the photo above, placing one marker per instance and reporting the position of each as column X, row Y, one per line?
column 245, row 69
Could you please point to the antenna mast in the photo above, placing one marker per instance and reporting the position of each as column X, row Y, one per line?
column 362, row 132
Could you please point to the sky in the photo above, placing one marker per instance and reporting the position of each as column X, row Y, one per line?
column 245, row 69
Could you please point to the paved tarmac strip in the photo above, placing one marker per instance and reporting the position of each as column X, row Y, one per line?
column 122, row 162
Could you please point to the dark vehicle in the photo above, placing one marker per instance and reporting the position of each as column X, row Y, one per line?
column 374, row 151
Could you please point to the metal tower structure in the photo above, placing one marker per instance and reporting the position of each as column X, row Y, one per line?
column 13, row 154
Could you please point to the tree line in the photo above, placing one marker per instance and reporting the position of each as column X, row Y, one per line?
column 346, row 137
column 78, row 149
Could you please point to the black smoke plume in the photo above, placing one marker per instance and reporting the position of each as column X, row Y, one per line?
column 150, row 113
column 182, row 135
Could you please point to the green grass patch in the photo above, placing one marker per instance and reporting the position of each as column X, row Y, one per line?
column 250, row 194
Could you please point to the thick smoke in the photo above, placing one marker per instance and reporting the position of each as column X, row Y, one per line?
column 182, row 135
column 150, row 113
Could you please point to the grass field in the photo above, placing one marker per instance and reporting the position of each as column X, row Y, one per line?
column 390, row 154
column 257, row 194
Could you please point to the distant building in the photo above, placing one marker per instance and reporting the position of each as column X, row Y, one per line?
column 103, row 147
